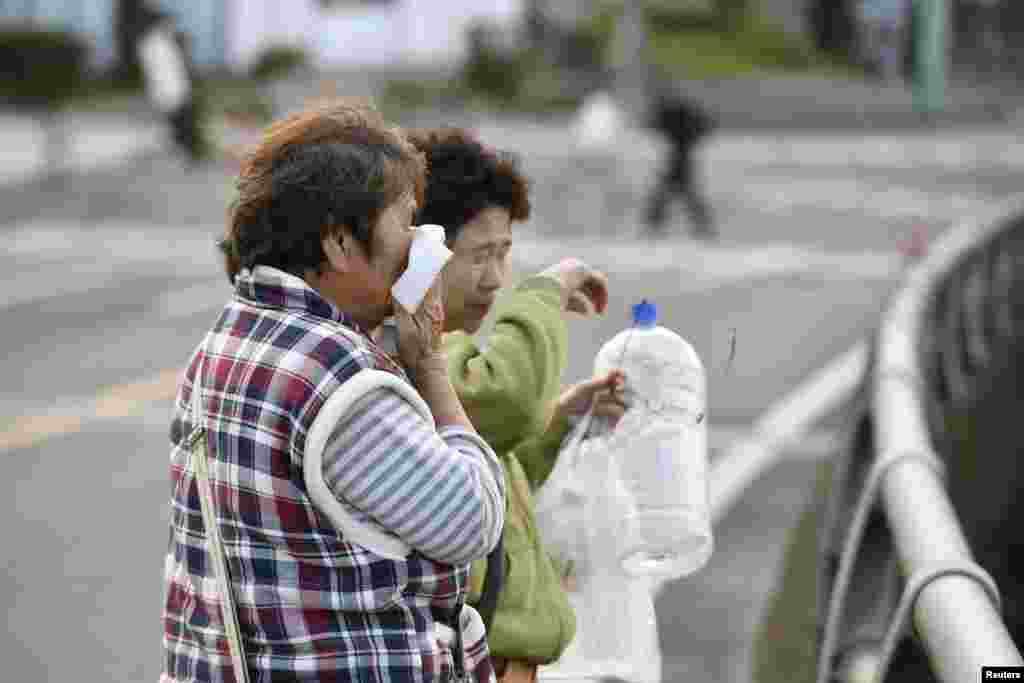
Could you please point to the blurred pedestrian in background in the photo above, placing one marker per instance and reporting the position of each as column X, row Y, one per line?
column 987, row 35
column 170, row 78
column 317, row 237
column 882, row 36
column 683, row 123
column 510, row 387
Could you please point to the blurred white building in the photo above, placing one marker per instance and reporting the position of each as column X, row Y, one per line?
column 344, row 33
column 363, row 32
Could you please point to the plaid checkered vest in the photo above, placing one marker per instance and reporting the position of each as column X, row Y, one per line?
column 311, row 606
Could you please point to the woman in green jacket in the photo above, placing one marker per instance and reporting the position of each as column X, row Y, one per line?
column 511, row 388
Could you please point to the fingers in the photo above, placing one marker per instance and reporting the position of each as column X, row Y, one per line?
column 434, row 323
column 609, row 407
column 615, row 378
column 611, row 399
column 587, row 287
column 580, row 303
column 591, row 296
column 420, row 334
column 595, row 286
column 431, row 316
column 606, row 393
column 612, row 380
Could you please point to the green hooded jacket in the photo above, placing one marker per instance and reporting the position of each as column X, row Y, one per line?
column 508, row 390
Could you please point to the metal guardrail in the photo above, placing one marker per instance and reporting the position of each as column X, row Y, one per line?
column 953, row 602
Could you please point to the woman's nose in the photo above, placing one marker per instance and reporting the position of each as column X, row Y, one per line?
column 493, row 276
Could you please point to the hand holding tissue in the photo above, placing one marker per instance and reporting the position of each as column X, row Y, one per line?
column 427, row 256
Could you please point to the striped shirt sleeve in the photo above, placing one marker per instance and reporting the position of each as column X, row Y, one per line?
column 441, row 492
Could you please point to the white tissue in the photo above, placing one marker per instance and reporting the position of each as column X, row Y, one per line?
column 427, row 256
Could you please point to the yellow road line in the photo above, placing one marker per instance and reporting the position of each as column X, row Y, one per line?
column 118, row 401
column 33, row 429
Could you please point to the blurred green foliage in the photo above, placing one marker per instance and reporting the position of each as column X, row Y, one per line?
column 734, row 39
column 749, row 46
column 491, row 70
column 41, row 68
column 278, row 61
column 686, row 40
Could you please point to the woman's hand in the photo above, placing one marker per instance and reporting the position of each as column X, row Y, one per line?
column 419, row 334
column 605, row 391
column 585, row 289
column 419, row 348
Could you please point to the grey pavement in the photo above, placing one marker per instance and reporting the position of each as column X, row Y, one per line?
column 91, row 140
column 793, row 104
column 110, row 280
column 818, row 103
column 780, row 102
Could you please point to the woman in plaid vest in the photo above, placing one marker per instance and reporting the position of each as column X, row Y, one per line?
column 317, row 236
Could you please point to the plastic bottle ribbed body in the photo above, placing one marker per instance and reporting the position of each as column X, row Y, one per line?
column 660, row 448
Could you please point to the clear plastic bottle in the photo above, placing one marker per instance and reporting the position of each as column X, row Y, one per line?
column 660, row 448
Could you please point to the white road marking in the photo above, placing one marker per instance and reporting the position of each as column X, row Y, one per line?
column 72, row 259
column 779, row 195
column 70, row 414
column 193, row 299
column 702, row 266
column 955, row 149
column 94, row 144
column 115, row 243
column 90, row 146
column 46, row 284
column 144, row 401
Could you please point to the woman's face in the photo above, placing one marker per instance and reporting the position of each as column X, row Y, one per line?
column 477, row 269
column 362, row 287
column 392, row 240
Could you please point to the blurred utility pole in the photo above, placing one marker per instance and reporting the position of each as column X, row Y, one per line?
column 629, row 59
column 932, row 56
column 128, row 20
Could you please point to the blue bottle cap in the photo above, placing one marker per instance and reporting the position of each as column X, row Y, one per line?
column 645, row 314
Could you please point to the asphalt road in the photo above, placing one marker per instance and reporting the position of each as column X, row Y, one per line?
column 110, row 280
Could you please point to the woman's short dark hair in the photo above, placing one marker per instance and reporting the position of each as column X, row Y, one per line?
column 337, row 164
column 464, row 178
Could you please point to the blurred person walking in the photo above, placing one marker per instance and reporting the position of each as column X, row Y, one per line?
column 987, row 37
column 317, row 236
column 648, row 95
column 170, row 80
column 883, row 36
column 683, row 123
column 510, row 388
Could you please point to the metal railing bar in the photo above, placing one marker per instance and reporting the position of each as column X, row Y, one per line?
column 954, row 615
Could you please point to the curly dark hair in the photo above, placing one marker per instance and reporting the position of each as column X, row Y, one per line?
column 335, row 164
column 464, row 178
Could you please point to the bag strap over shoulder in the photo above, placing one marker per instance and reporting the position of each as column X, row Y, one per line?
column 494, row 579
column 214, row 543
